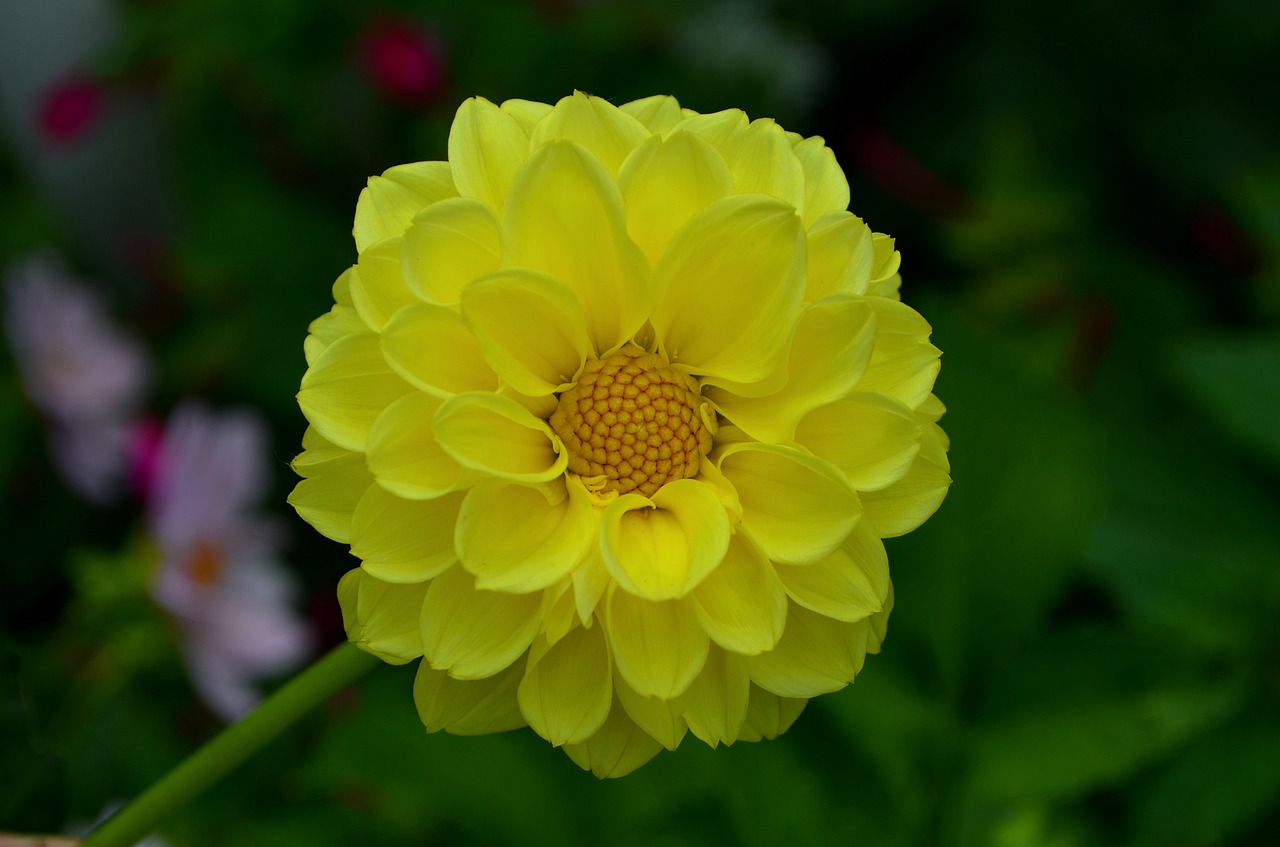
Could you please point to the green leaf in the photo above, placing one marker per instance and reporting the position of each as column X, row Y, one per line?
column 1237, row 381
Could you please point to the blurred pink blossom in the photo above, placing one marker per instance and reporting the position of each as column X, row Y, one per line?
column 219, row 574
column 84, row 374
column 70, row 107
column 403, row 61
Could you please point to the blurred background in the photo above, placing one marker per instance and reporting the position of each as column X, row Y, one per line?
column 1086, row 644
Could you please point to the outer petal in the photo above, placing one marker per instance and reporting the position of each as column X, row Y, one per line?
column 526, row 112
column 381, row 618
column 658, row 647
column 391, row 200
column 825, row 187
column 449, row 245
column 742, row 605
column 815, row 656
column 903, row 362
column 347, row 388
column 514, row 538
column 910, row 501
column 432, row 348
column 339, row 321
column 663, row 547
column 486, row 148
column 769, row 715
column 763, row 162
column 404, row 540
column 618, row 748
column 565, row 217
column 335, row 480
column 841, row 256
column 378, row 286
column 606, row 132
column 659, row 113
column 530, row 328
column 468, row 707
column 715, row 705
column 496, row 435
column 829, row 354
column 798, row 507
column 567, row 690
column 729, row 288
column 659, row 718
column 404, row 454
column 665, row 182
column 474, row 634
column 885, row 279
column 872, row 438
column 848, row 585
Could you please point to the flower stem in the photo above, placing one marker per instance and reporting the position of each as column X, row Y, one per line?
column 341, row 666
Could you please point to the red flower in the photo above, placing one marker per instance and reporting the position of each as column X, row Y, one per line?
column 403, row 61
column 70, row 107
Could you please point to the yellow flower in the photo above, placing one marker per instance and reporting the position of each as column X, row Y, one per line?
column 615, row 409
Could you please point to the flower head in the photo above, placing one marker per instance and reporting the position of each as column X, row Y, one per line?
column 615, row 409
column 219, row 574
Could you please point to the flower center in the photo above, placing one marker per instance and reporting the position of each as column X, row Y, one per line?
column 632, row 423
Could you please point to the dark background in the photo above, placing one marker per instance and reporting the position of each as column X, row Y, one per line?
column 1086, row 644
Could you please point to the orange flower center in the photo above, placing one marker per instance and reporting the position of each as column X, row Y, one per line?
column 632, row 423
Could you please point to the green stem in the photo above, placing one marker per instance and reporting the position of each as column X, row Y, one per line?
column 341, row 666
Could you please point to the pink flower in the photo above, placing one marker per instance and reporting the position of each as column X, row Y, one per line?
column 85, row 375
column 403, row 61
column 70, row 107
column 219, row 574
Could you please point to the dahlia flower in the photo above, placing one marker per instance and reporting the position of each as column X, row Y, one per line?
column 615, row 408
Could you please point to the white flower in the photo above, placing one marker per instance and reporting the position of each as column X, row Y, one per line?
column 219, row 574
column 85, row 375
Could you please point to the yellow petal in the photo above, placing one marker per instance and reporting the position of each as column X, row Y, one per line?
column 468, row 707
column 729, row 288
column 486, row 148
column 381, row 618
column 658, row 647
column 903, row 362
column 716, row 127
column 566, row 692
column 762, row 161
column 596, row 124
column 664, row 182
column 825, row 187
column 474, row 634
column 449, row 245
column 715, row 704
column 530, row 328
column 885, row 279
column 432, row 348
column 663, row 547
column 617, row 749
column 404, row 540
column 659, row 718
column 769, row 715
column 559, row 615
column 829, row 354
column 526, row 112
column 339, row 321
column 841, row 256
column 816, row 655
column 390, row 201
column 848, row 585
column 910, row 501
column 378, row 287
column 565, row 217
column 496, row 435
column 404, row 454
column 590, row 579
column 659, row 113
column 514, row 538
column 335, row 480
column 346, row 389
column 880, row 623
column 872, row 438
column 797, row 506
column 742, row 605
